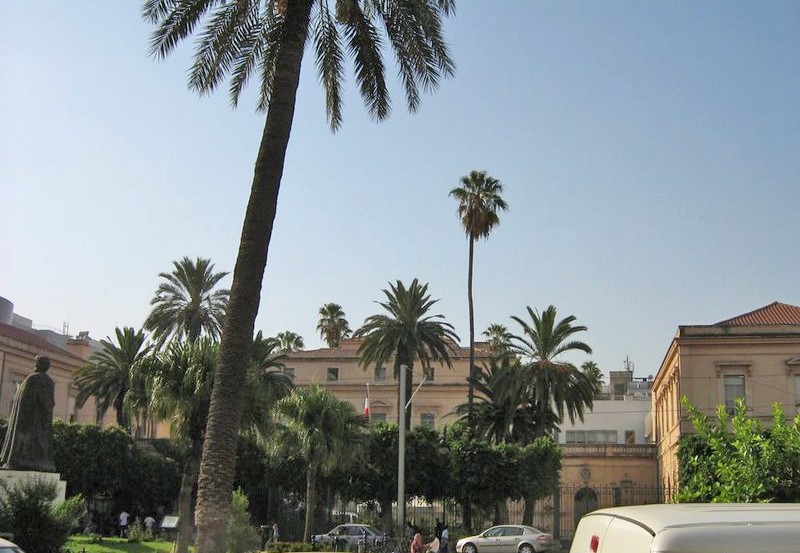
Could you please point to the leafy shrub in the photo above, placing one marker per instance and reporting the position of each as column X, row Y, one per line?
column 138, row 533
column 37, row 525
column 242, row 536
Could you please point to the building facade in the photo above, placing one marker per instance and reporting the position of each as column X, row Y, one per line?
column 755, row 356
column 339, row 370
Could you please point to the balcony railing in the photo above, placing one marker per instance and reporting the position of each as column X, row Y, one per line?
column 610, row 450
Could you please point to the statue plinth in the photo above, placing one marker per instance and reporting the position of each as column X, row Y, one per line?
column 12, row 478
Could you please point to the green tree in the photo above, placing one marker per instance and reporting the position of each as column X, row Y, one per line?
column 479, row 200
column 289, row 341
column 594, row 374
column 107, row 378
column 503, row 412
column 406, row 334
column 239, row 38
column 332, row 325
column 734, row 460
column 186, row 305
column 557, row 386
column 326, row 431
column 499, row 338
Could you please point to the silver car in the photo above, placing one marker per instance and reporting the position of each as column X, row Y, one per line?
column 350, row 535
column 508, row 538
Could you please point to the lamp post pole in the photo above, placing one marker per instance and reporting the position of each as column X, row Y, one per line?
column 401, row 456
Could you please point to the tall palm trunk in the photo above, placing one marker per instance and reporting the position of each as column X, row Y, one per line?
column 311, row 503
column 404, row 358
column 122, row 416
column 467, row 511
column 470, row 387
column 218, row 462
column 188, row 478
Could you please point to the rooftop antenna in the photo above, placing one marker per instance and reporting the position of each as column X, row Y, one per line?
column 65, row 328
column 629, row 365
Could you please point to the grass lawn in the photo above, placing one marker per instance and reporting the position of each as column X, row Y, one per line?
column 79, row 544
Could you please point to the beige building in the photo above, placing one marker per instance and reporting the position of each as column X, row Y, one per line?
column 338, row 369
column 755, row 356
column 19, row 347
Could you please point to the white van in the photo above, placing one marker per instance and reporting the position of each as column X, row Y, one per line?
column 691, row 528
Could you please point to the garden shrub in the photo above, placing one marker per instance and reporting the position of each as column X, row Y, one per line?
column 242, row 536
column 37, row 525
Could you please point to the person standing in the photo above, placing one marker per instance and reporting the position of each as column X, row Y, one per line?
column 275, row 533
column 437, row 529
column 149, row 521
column 123, row 523
column 444, row 539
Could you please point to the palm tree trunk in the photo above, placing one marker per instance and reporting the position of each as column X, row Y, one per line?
column 218, row 461
column 311, row 504
column 122, row 416
column 470, row 387
column 190, row 469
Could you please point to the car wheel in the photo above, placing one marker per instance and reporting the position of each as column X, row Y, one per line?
column 469, row 548
column 526, row 548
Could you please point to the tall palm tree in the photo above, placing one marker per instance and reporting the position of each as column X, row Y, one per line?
column 108, row 377
column 332, row 324
column 269, row 37
column 186, row 305
column 406, row 334
column 289, row 341
column 558, row 386
column 326, row 431
column 499, row 338
column 179, row 383
column 479, row 200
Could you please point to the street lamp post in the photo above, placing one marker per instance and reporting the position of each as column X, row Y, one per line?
column 401, row 455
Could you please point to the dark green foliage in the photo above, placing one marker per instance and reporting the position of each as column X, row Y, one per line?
column 137, row 477
column 38, row 526
column 529, row 471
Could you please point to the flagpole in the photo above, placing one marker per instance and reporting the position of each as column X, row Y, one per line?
column 369, row 407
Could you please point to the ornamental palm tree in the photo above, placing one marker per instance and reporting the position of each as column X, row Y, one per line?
column 179, row 381
column 479, row 201
column 186, row 305
column 502, row 409
column 289, row 341
column 269, row 37
column 594, row 374
column 325, row 431
column 406, row 334
column 332, row 324
column 108, row 378
column 557, row 387
column 499, row 338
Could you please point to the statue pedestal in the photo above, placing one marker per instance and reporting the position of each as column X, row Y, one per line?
column 11, row 478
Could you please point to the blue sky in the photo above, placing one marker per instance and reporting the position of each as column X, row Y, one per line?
column 650, row 154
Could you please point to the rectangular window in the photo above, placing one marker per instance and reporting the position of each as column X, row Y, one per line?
column 797, row 395
column 430, row 373
column 333, row 374
column 630, row 437
column 591, row 436
column 71, row 410
column 380, row 374
column 428, row 419
column 734, row 389
column 378, row 417
column 289, row 372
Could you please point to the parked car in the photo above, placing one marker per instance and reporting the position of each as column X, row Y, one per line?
column 9, row 547
column 349, row 535
column 691, row 528
column 508, row 538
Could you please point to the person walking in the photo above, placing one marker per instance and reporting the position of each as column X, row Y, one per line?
column 445, row 538
column 123, row 523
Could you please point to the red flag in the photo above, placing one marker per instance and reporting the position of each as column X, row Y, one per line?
column 366, row 406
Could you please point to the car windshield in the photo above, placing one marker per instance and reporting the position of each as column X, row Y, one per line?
column 11, row 550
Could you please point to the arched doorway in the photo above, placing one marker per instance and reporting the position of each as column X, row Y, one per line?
column 585, row 502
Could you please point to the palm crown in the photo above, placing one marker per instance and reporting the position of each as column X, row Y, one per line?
column 239, row 39
column 557, row 387
column 406, row 333
column 186, row 304
column 479, row 201
column 332, row 324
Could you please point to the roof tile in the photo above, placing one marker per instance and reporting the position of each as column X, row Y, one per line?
column 775, row 313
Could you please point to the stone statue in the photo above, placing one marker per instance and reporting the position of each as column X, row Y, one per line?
column 27, row 443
